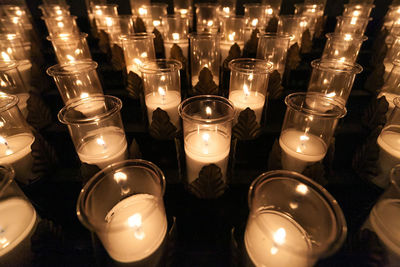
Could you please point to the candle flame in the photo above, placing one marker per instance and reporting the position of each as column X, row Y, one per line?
column 59, row 12
column 15, row 20
column 5, row 56
column 142, row 11
column 356, row 13
column 156, row 23
column 120, row 176
column 84, row 95
column 347, row 37
column 231, row 36
column 280, row 236
column 210, row 23
column 135, row 221
column 302, row 189
column 161, row 91
column 226, row 10
column 246, row 90
column 18, row 13
column 254, row 22
column 100, row 141
column 208, row 111
column 175, row 36
column 60, row 24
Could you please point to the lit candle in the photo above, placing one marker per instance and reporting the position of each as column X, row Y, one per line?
column 300, row 149
column 182, row 43
column 248, row 99
column 24, row 68
column 135, row 229
column 288, row 245
column 103, row 147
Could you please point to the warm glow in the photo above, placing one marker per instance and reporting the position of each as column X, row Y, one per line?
column 15, row 20
column 269, row 11
column 99, row 12
column 254, row 22
column 156, row 23
column 175, row 36
column 161, row 91
column 206, row 137
column 303, row 24
column 70, row 58
column 208, row 111
column 109, row 21
column 4, row 242
column 356, row 13
column 280, row 236
column 231, row 36
column 162, row 78
column 9, row 50
column 135, row 221
column 210, row 23
column 84, row 95
column 142, row 11
column 246, row 90
column 183, row 11
column 120, row 176
column 226, row 10
column 5, row 56
column 333, row 94
column 9, row 152
column 79, row 82
column 302, row 189
column 274, row 250
column 100, row 141
column 3, row 83
column 78, row 51
column 3, row 140
column 137, row 61
column 18, row 13
column 304, row 138
column 353, row 21
column 143, row 55
column 342, row 59
column 11, row 36
column 347, row 37
column 60, row 24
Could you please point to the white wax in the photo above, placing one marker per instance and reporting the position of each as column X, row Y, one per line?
column 16, row 150
column 136, row 228
column 273, row 239
column 195, row 80
column 103, row 147
column 204, row 148
column 17, row 219
column 300, row 149
column 389, row 154
column 250, row 99
column 182, row 44
column 168, row 102
column 90, row 108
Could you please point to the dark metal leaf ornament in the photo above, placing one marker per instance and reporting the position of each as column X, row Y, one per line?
column 250, row 48
column 139, row 26
column 177, row 53
column 293, row 57
column 104, row 42
column 134, row 150
column 306, row 42
column 135, row 85
column 272, row 25
column 39, row 115
column 209, row 184
column 206, row 84
column 247, row 127
column 159, row 44
column 375, row 80
column 275, row 88
column 375, row 114
column 234, row 52
column 161, row 127
column 117, row 58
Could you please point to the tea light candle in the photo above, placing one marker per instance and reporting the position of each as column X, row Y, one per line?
column 103, row 147
column 300, row 149
column 17, row 221
column 167, row 101
column 182, row 43
column 266, row 250
column 203, row 148
column 136, row 227
column 243, row 99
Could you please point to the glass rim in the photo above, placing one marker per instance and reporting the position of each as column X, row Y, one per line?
column 292, row 16
column 95, row 179
column 204, row 35
column 84, row 65
column 226, row 118
column 300, row 108
column 393, row 181
column 309, row 5
column 137, row 36
column 341, row 225
column 352, row 36
column 151, row 65
column 351, row 17
column 207, row 5
column 233, row 17
column 6, row 65
column 58, row 17
column 233, row 65
column 162, row 5
column 15, row 37
column 11, row 101
column 256, row 5
column 359, row 4
column 275, row 35
column 320, row 64
column 63, row 6
column 105, row 5
column 9, row 175
column 81, row 35
column 91, row 119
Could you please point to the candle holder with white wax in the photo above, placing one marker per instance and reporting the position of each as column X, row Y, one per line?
column 99, row 139
column 275, row 6
column 139, row 7
column 294, row 25
column 20, row 12
column 334, row 78
column 61, row 25
column 103, row 15
column 123, row 205
column 309, row 124
column 256, row 17
column 392, row 15
column 351, row 25
column 13, row 25
column 207, row 130
column 183, row 8
column 70, row 48
column 138, row 48
column 122, row 26
column 343, row 47
column 392, row 54
column 391, row 87
column 176, row 30
column 18, row 221
column 249, row 84
column 227, row 8
column 357, row 10
column 293, row 221
column 207, row 17
column 204, row 53
column 162, row 88
column 152, row 15
column 77, row 80
column 54, row 10
column 232, row 32
column 273, row 47
column 16, row 139
column 313, row 12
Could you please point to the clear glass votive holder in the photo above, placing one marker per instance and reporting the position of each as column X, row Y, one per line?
column 391, row 87
column 334, row 78
column 61, row 25
column 309, row 124
column 207, row 17
column 98, row 135
column 367, row 2
column 54, row 2
column 13, row 46
column 152, row 16
column 232, row 31
column 227, row 8
column 18, row 221
column 204, row 53
column 122, row 25
column 343, row 47
column 392, row 54
column 138, row 48
column 139, row 7
column 275, row 7
column 312, row 12
column 392, row 15
column 70, row 49
column 294, row 25
column 162, row 88
column 17, row 11
column 351, row 25
column 357, row 10
column 13, row 25
column 183, row 8
column 103, row 14
column 54, row 10
column 123, row 204
column 16, row 139
column 207, row 130
column 273, row 47
column 76, row 80
column 256, row 17
column 176, row 30
column 249, row 84
column 293, row 221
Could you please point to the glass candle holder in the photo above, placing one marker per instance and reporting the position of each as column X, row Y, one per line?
column 139, row 7
column 122, row 25
column 293, row 221
column 61, row 25
column 103, row 14
column 183, row 7
column 13, row 25
column 334, row 78
column 273, row 47
column 54, row 10
column 392, row 15
column 248, row 84
column 391, row 87
column 152, row 16
column 255, row 16
column 312, row 12
column 138, row 48
column 176, row 30
column 16, row 139
column 275, row 6
column 20, row 12
column 204, row 53
column 227, row 8
column 351, row 25
column 207, row 17
column 357, row 10
column 294, row 25
column 392, row 55
column 17, row 219
column 343, row 47
column 54, row 2
column 123, row 204
column 76, row 80
column 99, row 136
column 70, row 49
column 207, row 130
column 162, row 88
column 232, row 31
column 307, row 129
